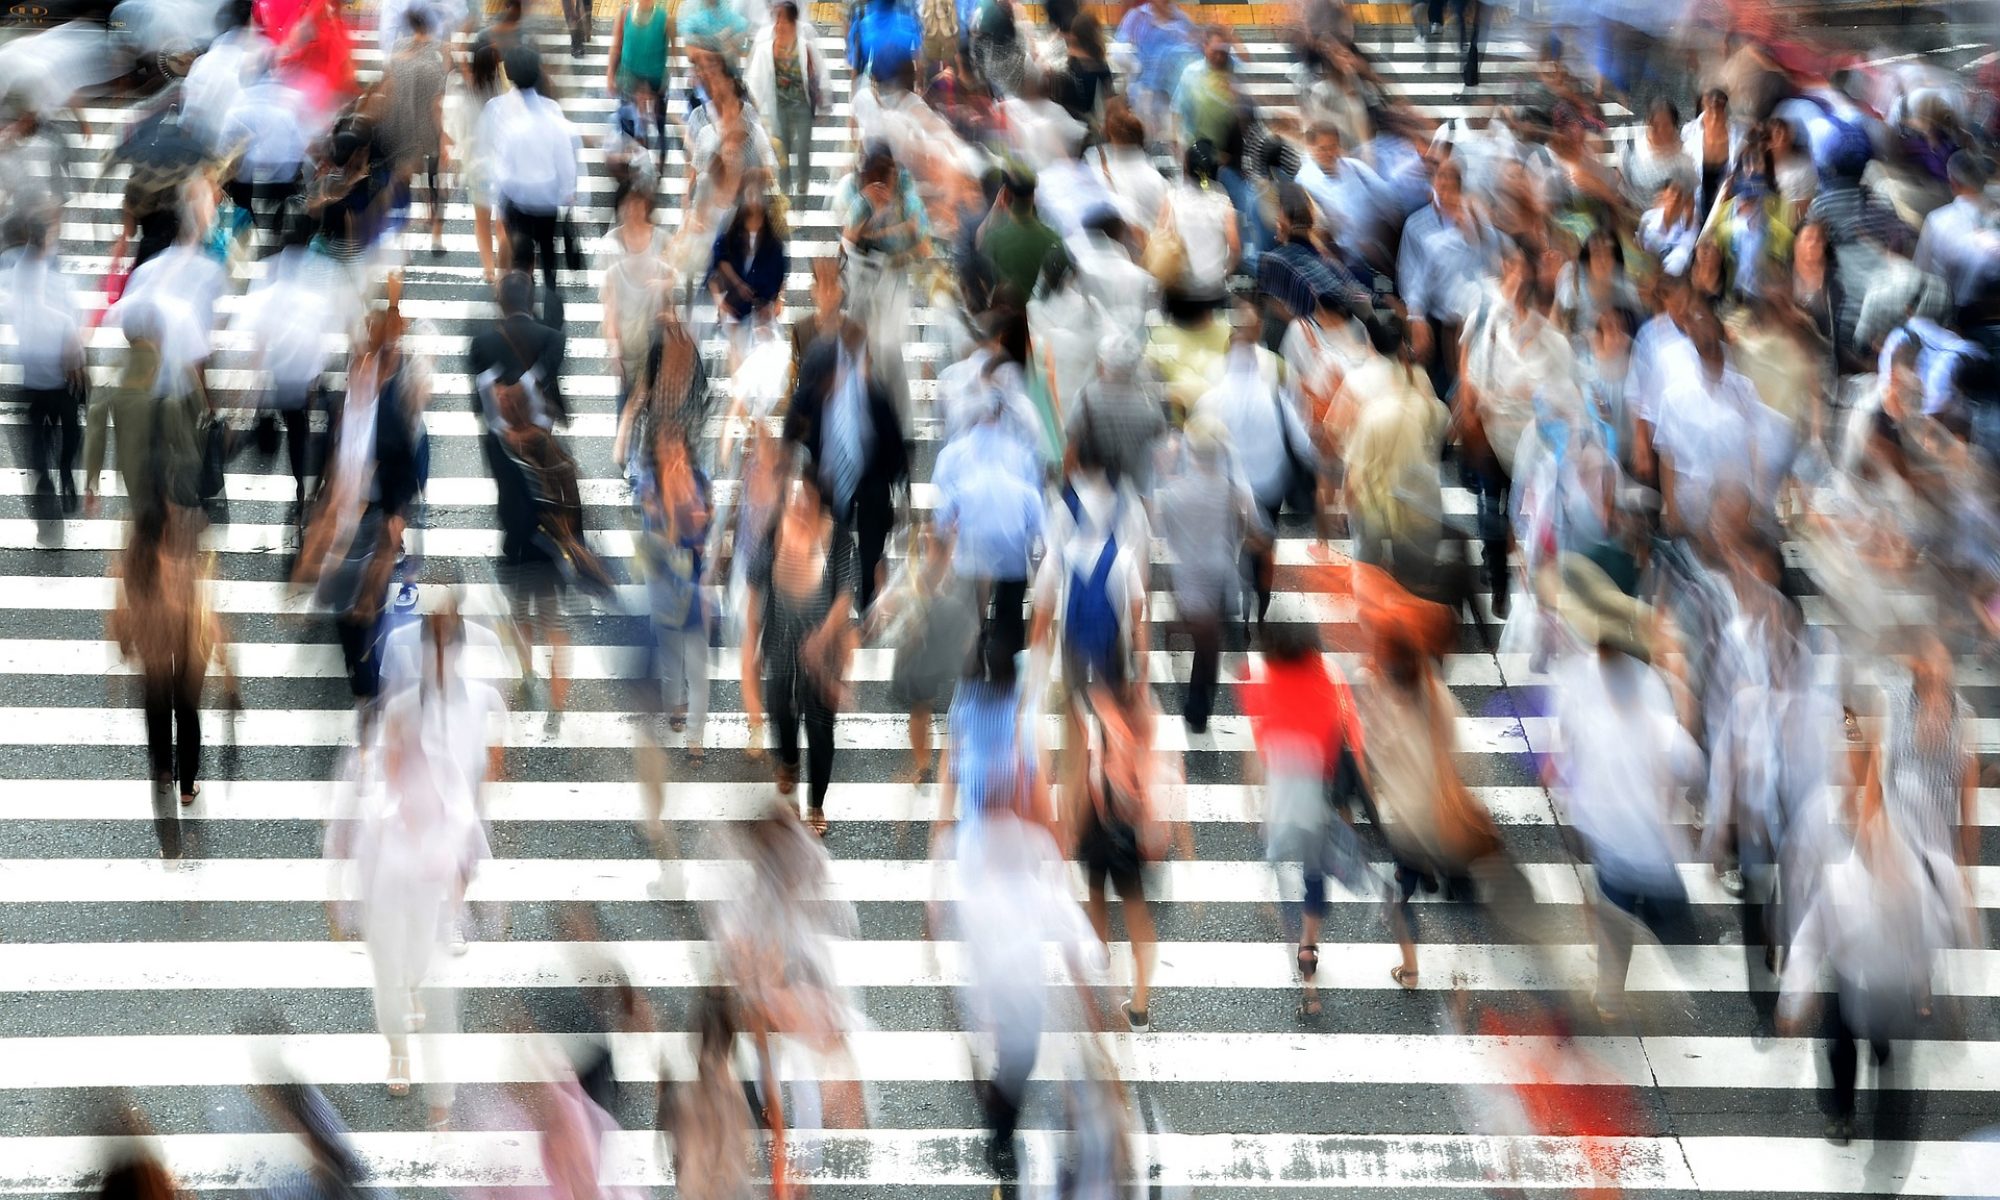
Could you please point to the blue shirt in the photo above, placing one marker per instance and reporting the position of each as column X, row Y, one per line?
column 987, row 762
column 989, row 496
column 1163, row 48
column 883, row 39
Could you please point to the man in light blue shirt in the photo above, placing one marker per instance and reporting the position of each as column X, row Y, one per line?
column 989, row 503
column 1164, row 41
column 1355, row 204
column 1445, row 256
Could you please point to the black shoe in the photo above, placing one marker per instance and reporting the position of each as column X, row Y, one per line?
column 1840, row 1130
column 1000, row 1156
column 1502, row 603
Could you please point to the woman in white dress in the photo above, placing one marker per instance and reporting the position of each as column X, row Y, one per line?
column 418, row 844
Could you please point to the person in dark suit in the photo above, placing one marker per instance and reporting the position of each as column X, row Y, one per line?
column 842, row 414
column 517, row 343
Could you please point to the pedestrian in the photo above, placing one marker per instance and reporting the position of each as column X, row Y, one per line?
column 928, row 616
column 787, row 80
column 412, row 119
column 670, row 395
column 519, row 351
column 48, row 335
column 165, row 623
column 476, row 156
column 535, row 164
column 676, row 510
column 989, row 515
column 884, row 231
column 1204, row 515
column 636, row 67
column 705, row 1117
column 632, row 258
column 1119, row 830
column 747, row 270
column 800, row 618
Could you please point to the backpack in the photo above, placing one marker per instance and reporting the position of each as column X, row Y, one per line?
column 1092, row 631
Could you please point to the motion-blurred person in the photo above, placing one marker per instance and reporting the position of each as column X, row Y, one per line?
column 535, row 163
column 1309, row 751
column 636, row 67
column 1626, row 750
column 416, row 848
column 844, row 414
column 992, row 763
column 289, row 319
column 746, row 274
column 989, row 512
column 1925, row 770
column 675, row 512
column 636, row 283
column 1016, row 907
column 1119, row 831
column 928, row 616
column 520, row 350
column 800, row 617
column 787, row 81
column 332, row 1167
column 412, row 118
column 165, row 623
column 884, row 229
column 670, row 396
column 48, row 340
column 1205, row 514
column 1878, row 923
column 705, row 1117
column 775, row 940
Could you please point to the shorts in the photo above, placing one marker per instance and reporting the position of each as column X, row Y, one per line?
column 534, row 589
column 1105, row 859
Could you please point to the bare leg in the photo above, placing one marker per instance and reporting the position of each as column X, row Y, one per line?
column 1139, row 927
column 484, row 233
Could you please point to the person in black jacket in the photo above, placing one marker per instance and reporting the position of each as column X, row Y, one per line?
column 516, row 344
column 842, row 414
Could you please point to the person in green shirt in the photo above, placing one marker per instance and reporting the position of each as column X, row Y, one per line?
column 1014, row 240
column 637, row 68
column 1208, row 97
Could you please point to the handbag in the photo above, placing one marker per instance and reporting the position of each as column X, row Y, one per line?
column 1165, row 258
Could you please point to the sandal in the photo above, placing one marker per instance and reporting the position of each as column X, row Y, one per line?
column 816, row 821
column 1308, row 1011
column 188, row 798
column 1405, row 977
column 1139, row 1019
column 1308, row 962
column 788, row 779
column 399, row 1075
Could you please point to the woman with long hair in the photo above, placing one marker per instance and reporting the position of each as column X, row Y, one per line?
column 746, row 272
column 668, row 398
column 165, row 623
column 636, row 281
column 798, row 633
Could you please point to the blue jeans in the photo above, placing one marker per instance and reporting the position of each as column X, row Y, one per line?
column 1257, row 235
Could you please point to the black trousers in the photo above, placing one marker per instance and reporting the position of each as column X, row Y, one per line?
column 1205, row 672
column 532, row 234
column 1001, row 612
column 265, row 202
column 55, row 434
column 874, row 521
column 1470, row 14
column 173, row 723
column 794, row 701
column 1843, row 1054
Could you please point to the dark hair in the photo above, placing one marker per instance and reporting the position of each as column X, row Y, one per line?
column 517, row 292
column 627, row 189
column 878, row 162
column 1288, row 641
column 418, row 19
column 1089, row 34
column 788, row 8
column 485, row 68
column 992, row 662
column 1201, row 163
column 1020, row 190
column 1386, row 333
column 737, row 235
column 1294, row 205
column 1673, row 110
column 524, row 68
column 1007, row 325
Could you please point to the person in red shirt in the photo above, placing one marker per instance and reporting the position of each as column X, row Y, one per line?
column 1308, row 736
column 315, row 49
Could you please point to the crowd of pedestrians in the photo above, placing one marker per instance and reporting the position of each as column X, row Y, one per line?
column 1693, row 418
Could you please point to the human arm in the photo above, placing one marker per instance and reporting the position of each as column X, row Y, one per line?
column 617, row 48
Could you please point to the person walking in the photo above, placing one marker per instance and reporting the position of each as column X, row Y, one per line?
column 631, row 256
column 412, row 120
column 1118, row 831
column 48, row 337
column 800, row 618
column 787, row 82
column 164, row 622
column 535, row 159
column 636, row 68
column 1205, row 514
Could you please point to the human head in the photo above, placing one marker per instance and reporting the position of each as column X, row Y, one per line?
column 1326, row 143
column 1295, row 210
column 1966, row 174
column 1215, row 48
column 419, row 21
column 633, row 202
column 878, row 164
column 1201, row 163
column 524, row 68
column 1020, row 188
column 785, row 13
column 1663, row 120
column 1288, row 642
column 1447, row 185
column 516, row 293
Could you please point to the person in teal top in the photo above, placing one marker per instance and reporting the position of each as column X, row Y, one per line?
column 637, row 69
column 716, row 24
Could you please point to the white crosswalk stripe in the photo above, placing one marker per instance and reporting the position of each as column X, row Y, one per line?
column 121, row 975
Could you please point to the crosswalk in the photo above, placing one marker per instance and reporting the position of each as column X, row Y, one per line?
column 180, row 986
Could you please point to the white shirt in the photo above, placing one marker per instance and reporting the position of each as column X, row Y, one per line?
column 534, row 150
column 1259, row 420
column 1072, row 547
column 1354, row 203
column 295, row 319
column 264, row 121
column 1960, row 246
column 181, row 284
column 1718, row 432
column 47, row 335
column 1136, row 186
column 1623, row 754
column 1202, row 216
column 215, row 82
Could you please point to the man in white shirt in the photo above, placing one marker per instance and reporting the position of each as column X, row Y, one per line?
column 1713, row 432
column 1354, row 204
column 216, row 80
column 49, row 345
column 535, row 162
column 1959, row 243
column 265, row 125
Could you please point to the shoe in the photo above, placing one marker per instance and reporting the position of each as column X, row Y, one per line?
column 1840, row 1130
column 1731, row 881
column 1138, row 1018
column 1000, row 1156
column 1502, row 603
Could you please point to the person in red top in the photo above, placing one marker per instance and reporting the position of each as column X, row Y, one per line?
column 315, row 50
column 1308, row 736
